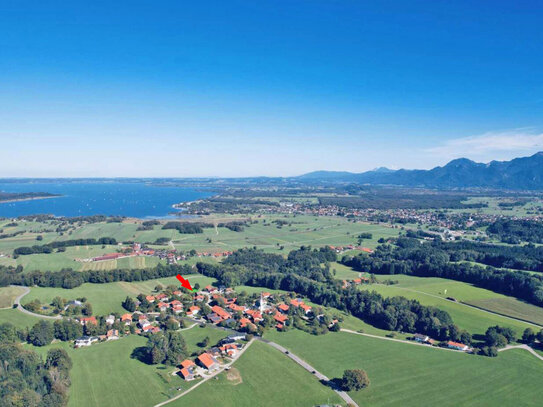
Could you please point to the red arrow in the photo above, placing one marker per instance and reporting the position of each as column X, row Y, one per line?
column 184, row 283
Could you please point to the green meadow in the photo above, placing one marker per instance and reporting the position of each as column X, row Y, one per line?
column 261, row 377
column 406, row 375
column 265, row 234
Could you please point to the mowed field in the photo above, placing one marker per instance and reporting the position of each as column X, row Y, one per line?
column 261, row 377
column 431, row 291
column 107, row 298
column 406, row 375
column 18, row 318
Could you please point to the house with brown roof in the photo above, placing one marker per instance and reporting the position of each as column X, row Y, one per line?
column 186, row 374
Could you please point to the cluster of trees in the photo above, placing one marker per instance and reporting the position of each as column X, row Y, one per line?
column 410, row 256
column 187, row 227
column 49, row 247
column 298, row 272
column 495, row 337
column 167, row 347
column 69, row 278
column 354, row 380
column 516, row 231
column 235, row 226
column 27, row 380
column 148, row 224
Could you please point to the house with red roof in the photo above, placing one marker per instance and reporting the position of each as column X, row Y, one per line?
column 187, row 363
column 255, row 315
column 193, row 311
column 186, row 374
column 457, row 346
column 126, row 318
column 283, row 307
column 221, row 312
column 150, row 298
column 208, row 362
column 88, row 320
column 306, row 308
column 296, row 303
column 281, row 318
column 229, row 349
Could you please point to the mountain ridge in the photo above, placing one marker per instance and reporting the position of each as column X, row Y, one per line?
column 518, row 173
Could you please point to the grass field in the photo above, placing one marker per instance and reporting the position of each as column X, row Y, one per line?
column 8, row 295
column 431, row 291
column 107, row 298
column 17, row 318
column 406, row 375
column 264, row 377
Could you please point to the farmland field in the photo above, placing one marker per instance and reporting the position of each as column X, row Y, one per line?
column 431, row 291
column 403, row 374
column 268, row 378
column 267, row 235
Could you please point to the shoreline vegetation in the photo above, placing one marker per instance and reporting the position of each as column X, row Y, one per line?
column 8, row 197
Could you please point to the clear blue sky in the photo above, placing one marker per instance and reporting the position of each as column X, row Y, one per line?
column 240, row 88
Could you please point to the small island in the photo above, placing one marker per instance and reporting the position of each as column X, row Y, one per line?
column 25, row 196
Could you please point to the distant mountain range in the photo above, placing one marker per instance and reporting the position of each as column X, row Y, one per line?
column 519, row 173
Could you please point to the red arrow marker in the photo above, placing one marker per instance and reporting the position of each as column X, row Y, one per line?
column 184, row 283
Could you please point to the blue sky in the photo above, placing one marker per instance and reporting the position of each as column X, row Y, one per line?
column 243, row 88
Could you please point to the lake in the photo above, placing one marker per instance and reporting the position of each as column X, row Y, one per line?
column 131, row 199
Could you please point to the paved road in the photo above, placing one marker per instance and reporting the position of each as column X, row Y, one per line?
column 397, row 340
column 312, row 370
column 20, row 307
column 525, row 347
column 205, row 379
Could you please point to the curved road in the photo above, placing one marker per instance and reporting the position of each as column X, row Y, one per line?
column 22, row 309
column 525, row 347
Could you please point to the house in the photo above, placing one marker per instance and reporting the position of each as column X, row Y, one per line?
column 193, row 311
column 280, row 318
column 188, row 364
column 150, row 298
column 221, row 312
column 230, row 349
column 266, row 295
column 175, row 302
column 244, row 322
column 236, row 308
column 305, row 307
column 187, row 374
column 457, row 346
column 126, row 318
column 211, row 289
column 421, row 338
column 283, row 307
column 162, row 306
column 199, row 298
column 143, row 323
column 151, row 328
column 256, row 315
column 296, row 303
column 88, row 320
column 177, row 293
column 208, row 362
column 162, row 297
column 110, row 319
column 85, row 341
column 112, row 334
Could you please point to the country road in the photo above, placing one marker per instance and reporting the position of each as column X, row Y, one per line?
column 525, row 347
column 206, row 378
column 311, row 369
column 22, row 309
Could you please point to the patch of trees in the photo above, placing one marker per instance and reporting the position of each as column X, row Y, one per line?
column 167, row 347
column 431, row 260
column 234, row 226
column 516, row 231
column 49, row 247
column 27, row 380
column 354, row 380
column 148, row 224
column 69, row 278
column 298, row 274
column 187, row 227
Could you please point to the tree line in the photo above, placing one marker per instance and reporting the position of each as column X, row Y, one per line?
column 49, row 247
